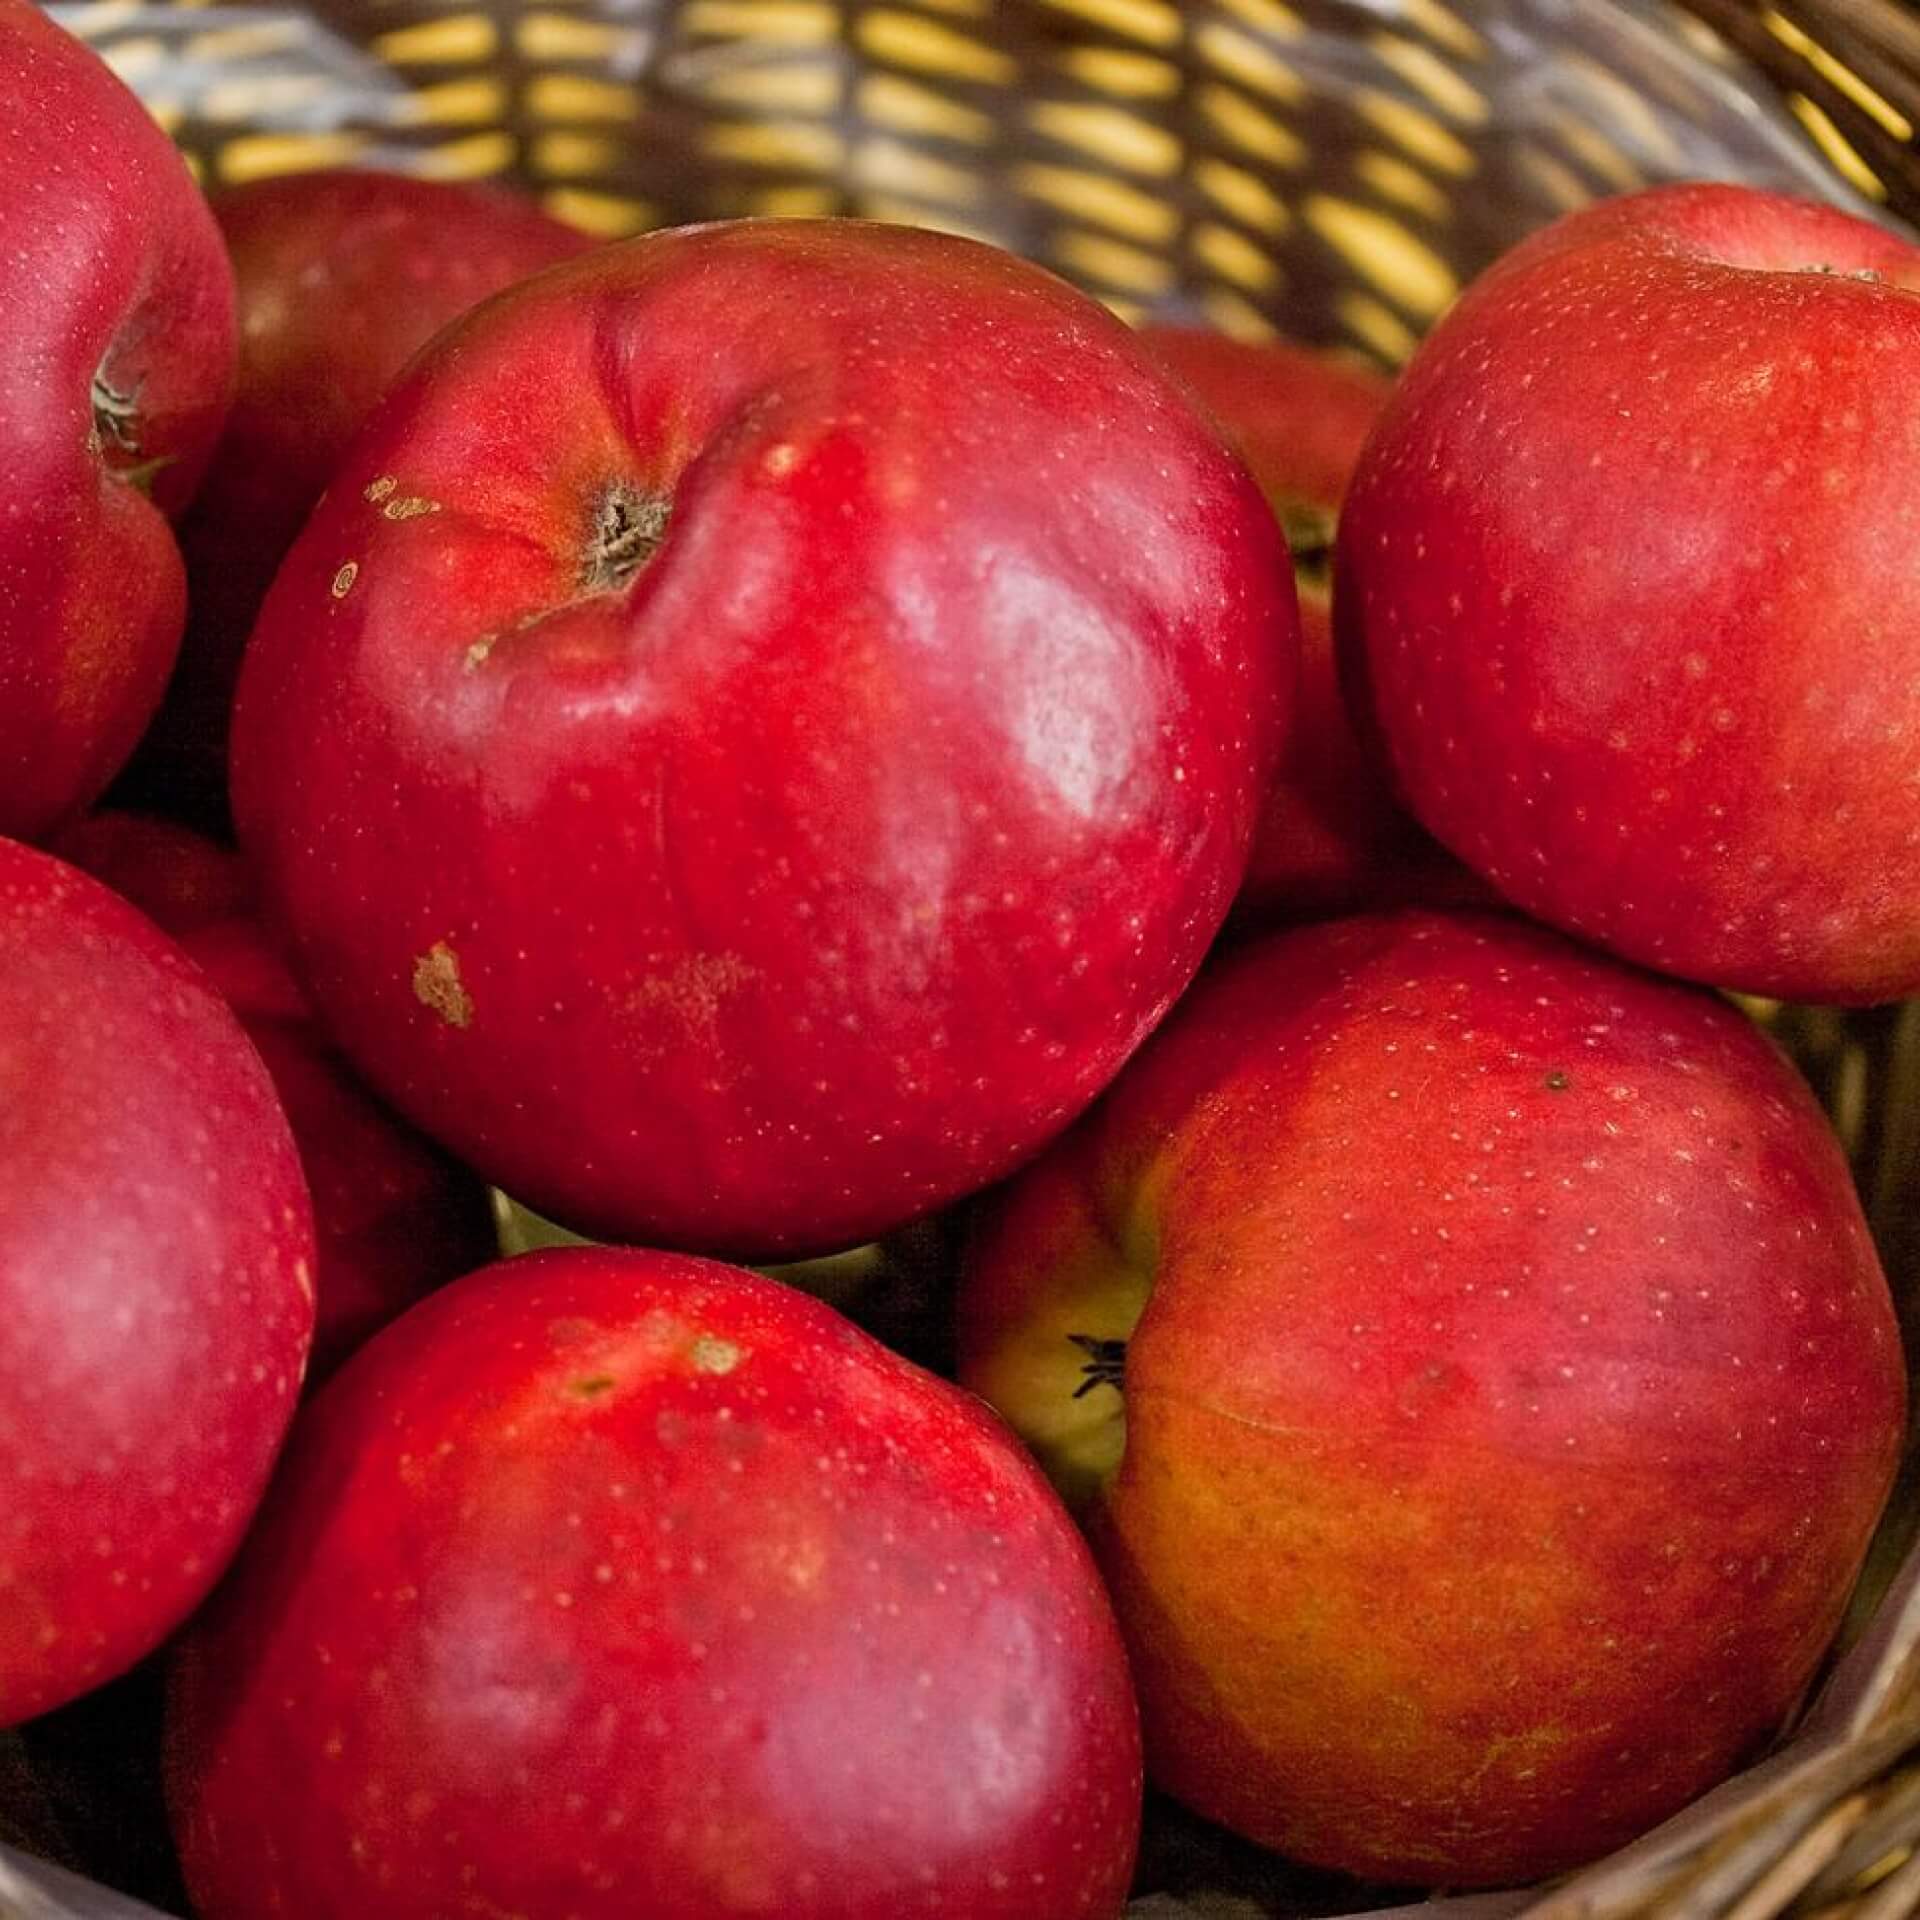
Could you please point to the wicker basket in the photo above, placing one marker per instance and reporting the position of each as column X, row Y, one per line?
column 1333, row 169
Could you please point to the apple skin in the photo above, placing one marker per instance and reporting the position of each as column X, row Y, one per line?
column 763, row 891
column 118, row 314
column 610, row 1582
column 1332, row 840
column 1511, row 1389
column 342, row 276
column 1623, row 583
column 156, row 1292
column 181, row 880
column 394, row 1217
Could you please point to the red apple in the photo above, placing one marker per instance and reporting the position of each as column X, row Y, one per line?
column 117, row 312
column 610, row 1583
column 394, row 1217
column 1486, row 1390
column 1625, row 570
column 1332, row 838
column 767, row 718
column 342, row 277
column 156, row 1296
column 181, row 880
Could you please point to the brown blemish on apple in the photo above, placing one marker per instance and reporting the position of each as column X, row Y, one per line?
column 437, row 984
column 710, row 1354
column 592, row 1387
column 1558, row 1081
column 627, row 529
column 696, row 989
column 344, row 579
column 481, row 650
column 410, row 507
column 380, row 488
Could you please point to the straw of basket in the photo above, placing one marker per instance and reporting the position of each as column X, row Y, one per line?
column 1333, row 167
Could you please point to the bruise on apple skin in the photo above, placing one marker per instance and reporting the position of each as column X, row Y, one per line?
column 694, row 992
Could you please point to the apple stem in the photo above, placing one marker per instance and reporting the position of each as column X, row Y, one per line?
column 628, row 527
column 1106, row 1364
column 116, row 416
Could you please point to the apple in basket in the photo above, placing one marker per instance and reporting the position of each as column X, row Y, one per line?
column 341, row 277
column 1470, row 1359
column 1627, row 574
column 1332, row 838
column 156, row 1291
column 765, row 720
column 394, row 1217
column 117, row 317
column 611, row 1584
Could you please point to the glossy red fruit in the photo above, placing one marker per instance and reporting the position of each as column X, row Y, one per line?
column 742, row 776
column 181, row 880
column 394, row 1217
column 1503, row 1389
column 611, row 1583
column 156, row 1296
column 1332, row 838
column 1624, row 573
column 116, row 311
column 342, row 276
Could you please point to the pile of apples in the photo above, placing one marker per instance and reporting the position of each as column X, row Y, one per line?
column 748, row 737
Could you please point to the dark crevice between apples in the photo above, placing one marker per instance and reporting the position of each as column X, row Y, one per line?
column 1106, row 1364
column 1310, row 532
column 628, row 527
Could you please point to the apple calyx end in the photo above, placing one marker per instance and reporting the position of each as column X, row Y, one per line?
column 627, row 529
column 1106, row 1364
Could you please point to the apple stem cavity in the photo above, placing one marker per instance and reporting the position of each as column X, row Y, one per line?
column 116, row 416
column 1106, row 1364
column 628, row 527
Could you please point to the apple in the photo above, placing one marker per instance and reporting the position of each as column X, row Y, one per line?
column 181, row 880
column 610, row 1583
column 1332, row 839
column 766, row 719
column 394, row 1217
column 342, row 276
column 1624, row 578
column 117, row 312
column 156, row 1291
column 1470, row 1359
